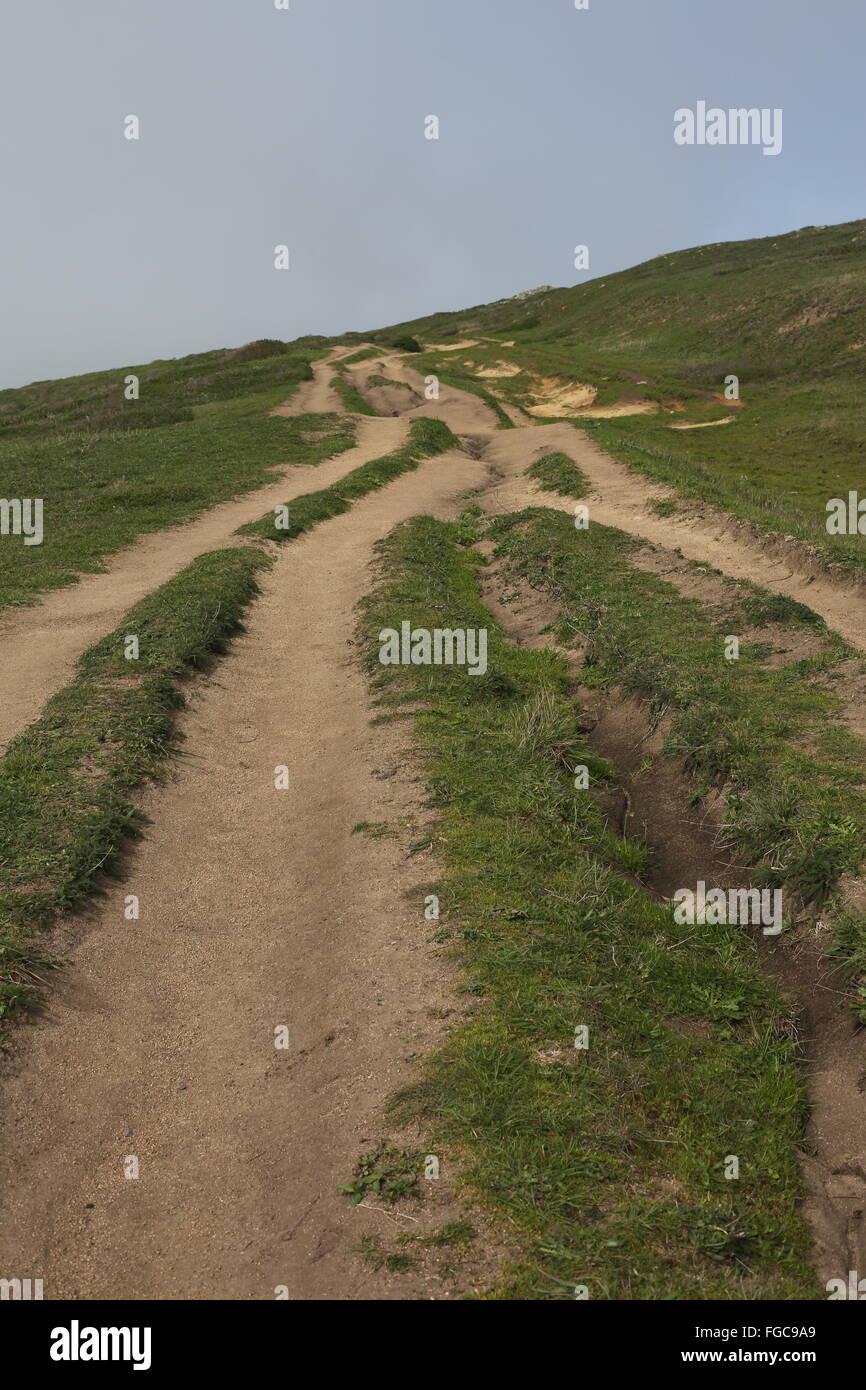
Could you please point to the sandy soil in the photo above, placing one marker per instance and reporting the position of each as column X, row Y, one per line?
column 500, row 369
column 317, row 397
column 260, row 908
column 620, row 498
column 705, row 424
column 553, row 397
column 41, row 644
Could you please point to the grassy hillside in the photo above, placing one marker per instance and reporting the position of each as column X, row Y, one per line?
column 110, row 469
column 785, row 314
column 705, row 310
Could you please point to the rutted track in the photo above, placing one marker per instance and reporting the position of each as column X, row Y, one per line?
column 40, row 644
column 259, row 908
column 618, row 497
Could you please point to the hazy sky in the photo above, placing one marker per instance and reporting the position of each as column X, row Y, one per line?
column 305, row 127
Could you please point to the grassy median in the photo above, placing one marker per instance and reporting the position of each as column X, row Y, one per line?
column 607, row 1162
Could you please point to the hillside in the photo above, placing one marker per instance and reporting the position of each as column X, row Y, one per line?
column 372, row 973
column 786, row 315
column 774, row 307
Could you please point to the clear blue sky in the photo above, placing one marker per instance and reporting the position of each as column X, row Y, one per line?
column 306, row 127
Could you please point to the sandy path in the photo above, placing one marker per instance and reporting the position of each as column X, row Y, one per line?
column 40, row 644
column 258, row 908
column 620, row 498
column 317, row 397
column 465, row 413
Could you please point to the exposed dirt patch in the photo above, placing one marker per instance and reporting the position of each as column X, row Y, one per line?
column 814, row 314
column 691, row 579
column 705, row 424
column 464, row 412
column 500, row 369
column 612, row 412
column 387, row 397
column 552, row 396
column 848, row 684
column 451, row 347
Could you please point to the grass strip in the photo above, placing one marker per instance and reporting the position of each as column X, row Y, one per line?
column 102, row 490
column 64, row 783
column 349, row 394
column 774, row 735
column 426, row 438
column 556, row 472
column 463, row 380
column 608, row 1161
column 362, row 355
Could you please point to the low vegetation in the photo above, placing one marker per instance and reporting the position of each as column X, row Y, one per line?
column 786, row 315
column 426, row 438
column 606, row 1162
column 103, row 485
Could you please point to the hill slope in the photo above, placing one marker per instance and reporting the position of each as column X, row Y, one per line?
column 649, row 351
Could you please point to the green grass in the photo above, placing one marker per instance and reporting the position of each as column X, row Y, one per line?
column 556, row 472
column 786, row 314
column 426, row 438
column 453, row 1240
column 774, row 735
column 362, row 356
column 64, row 784
column 388, row 1174
column 169, row 391
column 349, row 394
column 453, row 375
column 109, row 470
column 606, row 1163
column 103, row 490
column 777, row 465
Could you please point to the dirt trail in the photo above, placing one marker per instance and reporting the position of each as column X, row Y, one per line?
column 316, row 397
column 40, row 644
column 465, row 413
column 258, row 908
column 621, row 498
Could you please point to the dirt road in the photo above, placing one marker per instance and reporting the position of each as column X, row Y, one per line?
column 260, row 908
column 40, row 645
